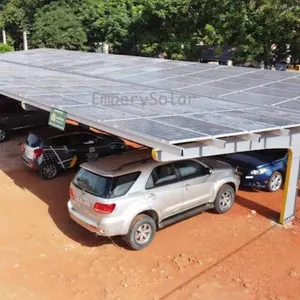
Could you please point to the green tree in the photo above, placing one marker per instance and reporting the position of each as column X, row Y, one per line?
column 57, row 26
column 89, row 12
column 116, row 24
column 13, row 19
column 18, row 15
column 154, row 27
column 166, row 27
column 254, row 26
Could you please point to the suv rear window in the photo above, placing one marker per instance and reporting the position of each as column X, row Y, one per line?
column 33, row 141
column 102, row 186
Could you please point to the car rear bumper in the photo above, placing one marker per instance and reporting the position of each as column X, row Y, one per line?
column 29, row 163
column 105, row 226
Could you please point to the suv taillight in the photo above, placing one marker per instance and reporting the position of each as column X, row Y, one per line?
column 71, row 194
column 37, row 153
column 22, row 147
column 104, row 208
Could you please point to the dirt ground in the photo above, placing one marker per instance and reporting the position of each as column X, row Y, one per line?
column 44, row 255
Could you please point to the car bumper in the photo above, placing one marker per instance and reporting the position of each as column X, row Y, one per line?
column 31, row 164
column 105, row 226
column 254, row 182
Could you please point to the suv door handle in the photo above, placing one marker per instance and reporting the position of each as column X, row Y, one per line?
column 187, row 186
column 152, row 196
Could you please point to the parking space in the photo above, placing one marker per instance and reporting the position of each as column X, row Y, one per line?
column 244, row 254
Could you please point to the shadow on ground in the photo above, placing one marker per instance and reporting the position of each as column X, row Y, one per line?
column 55, row 193
column 259, row 208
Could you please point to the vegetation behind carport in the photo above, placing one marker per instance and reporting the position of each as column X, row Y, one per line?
column 170, row 28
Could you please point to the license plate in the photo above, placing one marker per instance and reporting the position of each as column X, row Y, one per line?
column 85, row 201
column 29, row 152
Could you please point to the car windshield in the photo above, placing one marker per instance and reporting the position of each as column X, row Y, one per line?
column 104, row 186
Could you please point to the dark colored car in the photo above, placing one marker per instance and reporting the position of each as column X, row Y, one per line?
column 50, row 151
column 13, row 117
column 260, row 169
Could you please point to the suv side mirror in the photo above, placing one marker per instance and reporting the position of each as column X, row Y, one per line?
column 209, row 171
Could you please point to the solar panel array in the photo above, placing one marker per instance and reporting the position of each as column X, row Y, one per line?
column 163, row 100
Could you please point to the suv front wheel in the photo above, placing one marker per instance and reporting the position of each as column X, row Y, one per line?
column 224, row 199
column 141, row 232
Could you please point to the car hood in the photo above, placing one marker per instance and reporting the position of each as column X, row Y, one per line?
column 255, row 160
column 246, row 162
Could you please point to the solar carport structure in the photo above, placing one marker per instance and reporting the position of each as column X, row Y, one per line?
column 180, row 109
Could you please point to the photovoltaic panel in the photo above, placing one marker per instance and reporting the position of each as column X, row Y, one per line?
column 159, row 130
column 204, row 90
column 286, row 86
column 269, row 91
column 295, row 80
column 247, row 81
column 239, row 123
column 291, row 105
column 253, row 99
column 257, row 116
column 228, row 85
column 219, row 101
column 197, row 125
column 101, row 114
column 216, row 105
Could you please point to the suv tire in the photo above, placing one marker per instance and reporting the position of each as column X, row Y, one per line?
column 141, row 232
column 48, row 171
column 224, row 199
column 3, row 133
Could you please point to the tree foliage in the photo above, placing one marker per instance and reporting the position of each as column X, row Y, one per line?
column 5, row 48
column 57, row 26
column 171, row 28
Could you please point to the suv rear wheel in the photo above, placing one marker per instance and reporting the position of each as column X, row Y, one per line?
column 224, row 199
column 141, row 232
column 48, row 171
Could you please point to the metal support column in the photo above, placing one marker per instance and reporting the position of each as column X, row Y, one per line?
column 4, row 36
column 25, row 40
column 288, row 210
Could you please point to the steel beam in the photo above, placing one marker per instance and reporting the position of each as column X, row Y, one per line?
column 253, row 137
column 231, row 145
column 281, row 131
column 215, row 143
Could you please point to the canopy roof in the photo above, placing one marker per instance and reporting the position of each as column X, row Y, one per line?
column 155, row 102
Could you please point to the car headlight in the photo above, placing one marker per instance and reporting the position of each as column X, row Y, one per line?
column 258, row 171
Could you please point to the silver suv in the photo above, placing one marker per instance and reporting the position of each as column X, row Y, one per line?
column 132, row 195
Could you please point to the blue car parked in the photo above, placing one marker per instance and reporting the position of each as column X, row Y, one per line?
column 260, row 169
